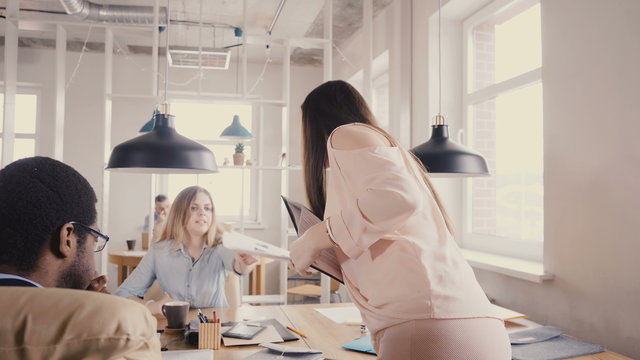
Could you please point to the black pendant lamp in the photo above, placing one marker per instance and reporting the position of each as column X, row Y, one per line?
column 162, row 150
column 444, row 157
column 440, row 155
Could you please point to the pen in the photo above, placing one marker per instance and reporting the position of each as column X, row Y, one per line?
column 215, row 317
column 202, row 317
column 296, row 331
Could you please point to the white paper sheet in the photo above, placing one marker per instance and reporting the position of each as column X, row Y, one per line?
column 342, row 315
column 187, row 355
column 242, row 243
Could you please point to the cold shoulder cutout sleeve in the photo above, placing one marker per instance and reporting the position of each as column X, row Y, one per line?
column 383, row 195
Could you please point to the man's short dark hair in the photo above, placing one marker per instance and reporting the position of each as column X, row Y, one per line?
column 160, row 198
column 37, row 196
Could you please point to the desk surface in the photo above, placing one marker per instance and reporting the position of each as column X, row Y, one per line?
column 322, row 333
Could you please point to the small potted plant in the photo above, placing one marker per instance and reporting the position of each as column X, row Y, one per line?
column 238, row 157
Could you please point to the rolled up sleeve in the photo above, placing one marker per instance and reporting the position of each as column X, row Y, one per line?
column 386, row 195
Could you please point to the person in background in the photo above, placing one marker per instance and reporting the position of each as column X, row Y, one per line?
column 392, row 236
column 162, row 206
column 48, row 232
column 187, row 259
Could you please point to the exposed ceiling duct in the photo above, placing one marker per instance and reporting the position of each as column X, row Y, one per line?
column 85, row 10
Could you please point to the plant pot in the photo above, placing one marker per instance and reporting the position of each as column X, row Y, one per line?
column 238, row 159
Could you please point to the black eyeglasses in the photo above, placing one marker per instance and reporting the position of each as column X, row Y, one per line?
column 101, row 239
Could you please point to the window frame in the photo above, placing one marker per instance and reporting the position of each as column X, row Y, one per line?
column 254, row 216
column 25, row 89
column 499, row 245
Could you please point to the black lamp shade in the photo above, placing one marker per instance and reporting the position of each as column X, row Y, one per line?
column 162, row 151
column 443, row 157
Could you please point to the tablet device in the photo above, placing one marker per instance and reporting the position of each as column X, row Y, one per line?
column 243, row 331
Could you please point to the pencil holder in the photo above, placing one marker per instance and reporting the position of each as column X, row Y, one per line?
column 209, row 336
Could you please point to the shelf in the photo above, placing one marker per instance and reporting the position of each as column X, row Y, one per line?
column 256, row 167
column 132, row 96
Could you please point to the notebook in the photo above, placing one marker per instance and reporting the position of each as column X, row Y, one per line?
column 362, row 344
column 285, row 333
column 548, row 343
column 302, row 219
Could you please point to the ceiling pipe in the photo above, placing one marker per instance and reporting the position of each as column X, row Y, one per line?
column 275, row 17
column 85, row 10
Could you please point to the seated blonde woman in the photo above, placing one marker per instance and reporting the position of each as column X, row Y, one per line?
column 186, row 260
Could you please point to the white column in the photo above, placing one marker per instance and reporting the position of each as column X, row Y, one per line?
column 328, row 35
column 61, row 90
column 367, row 37
column 154, row 48
column 284, row 175
column 400, row 79
column 10, row 78
column 325, row 281
column 243, row 50
column 106, row 177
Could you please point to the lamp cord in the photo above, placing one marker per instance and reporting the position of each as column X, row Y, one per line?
column 439, row 59
column 166, row 68
column 237, row 64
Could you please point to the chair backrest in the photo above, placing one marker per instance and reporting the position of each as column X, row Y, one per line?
column 50, row 323
column 232, row 290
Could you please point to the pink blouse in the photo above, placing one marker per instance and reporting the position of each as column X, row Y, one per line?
column 399, row 261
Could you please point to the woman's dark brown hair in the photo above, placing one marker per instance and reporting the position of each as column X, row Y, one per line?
column 327, row 107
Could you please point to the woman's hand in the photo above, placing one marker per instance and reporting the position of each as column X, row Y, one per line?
column 243, row 262
column 308, row 247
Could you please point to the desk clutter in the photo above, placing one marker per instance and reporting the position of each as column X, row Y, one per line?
column 209, row 335
column 548, row 343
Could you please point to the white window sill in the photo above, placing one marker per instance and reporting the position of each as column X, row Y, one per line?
column 518, row 268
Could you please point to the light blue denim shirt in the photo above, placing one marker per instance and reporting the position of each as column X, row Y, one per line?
column 200, row 282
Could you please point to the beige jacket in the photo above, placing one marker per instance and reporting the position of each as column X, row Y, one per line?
column 51, row 323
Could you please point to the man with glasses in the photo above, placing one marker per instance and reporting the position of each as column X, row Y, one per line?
column 48, row 241
column 48, row 227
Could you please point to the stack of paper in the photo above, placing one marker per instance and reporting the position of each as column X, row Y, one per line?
column 242, row 243
column 348, row 315
column 506, row 314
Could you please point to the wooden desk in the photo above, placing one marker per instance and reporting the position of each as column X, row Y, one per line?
column 126, row 261
column 232, row 314
column 323, row 334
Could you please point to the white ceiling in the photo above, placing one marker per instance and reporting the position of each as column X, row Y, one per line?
column 299, row 18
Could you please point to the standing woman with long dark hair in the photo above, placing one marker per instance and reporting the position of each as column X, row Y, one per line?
column 392, row 236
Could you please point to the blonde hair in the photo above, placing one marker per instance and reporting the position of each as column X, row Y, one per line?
column 175, row 228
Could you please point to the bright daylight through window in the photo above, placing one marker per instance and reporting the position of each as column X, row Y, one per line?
column 24, row 139
column 503, row 102
column 204, row 123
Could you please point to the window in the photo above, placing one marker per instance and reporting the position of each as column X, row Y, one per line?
column 230, row 188
column 26, row 120
column 503, row 105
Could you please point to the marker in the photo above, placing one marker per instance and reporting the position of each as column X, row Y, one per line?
column 215, row 317
column 296, row 331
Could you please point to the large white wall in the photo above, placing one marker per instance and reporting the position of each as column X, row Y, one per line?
column 130, row 195
column 591, row 80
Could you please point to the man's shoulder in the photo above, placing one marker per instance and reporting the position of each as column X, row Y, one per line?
column 80, row 321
